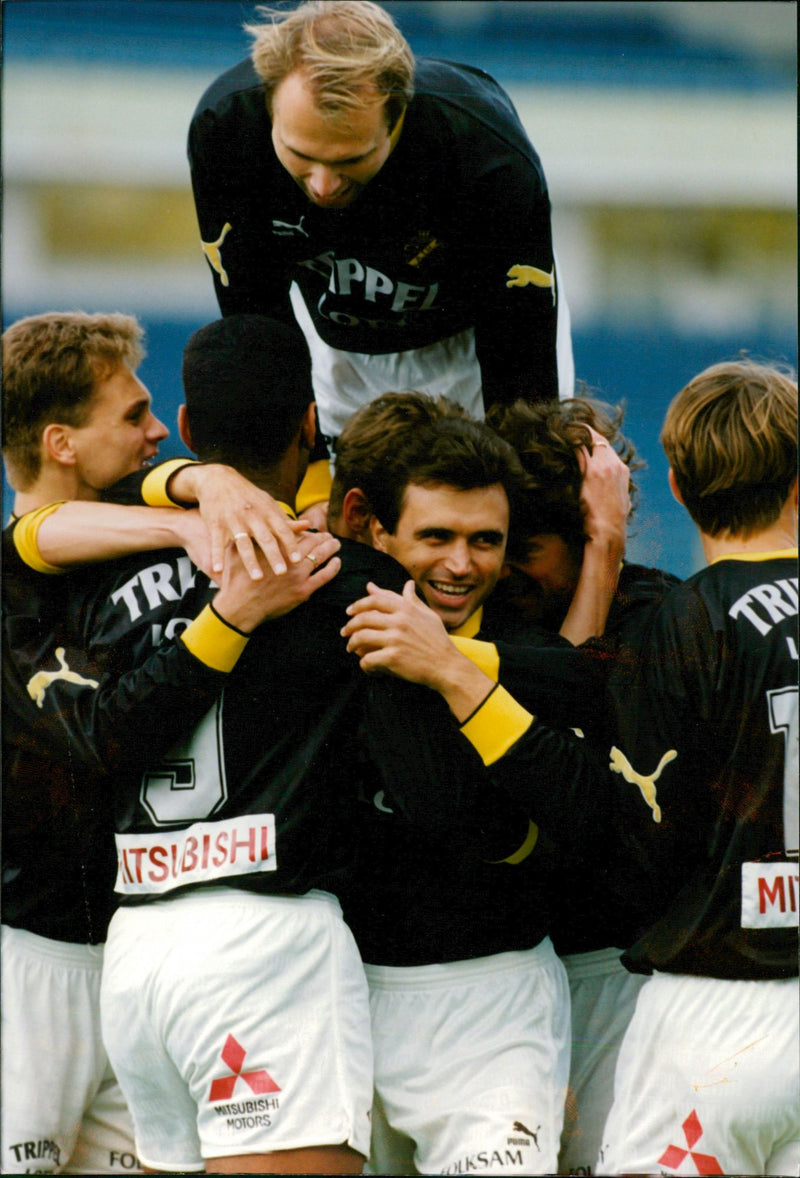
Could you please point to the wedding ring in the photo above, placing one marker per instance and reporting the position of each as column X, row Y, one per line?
column 312, row 557
column 238, row 535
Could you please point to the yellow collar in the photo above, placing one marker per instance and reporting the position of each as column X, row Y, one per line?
column 780, row 554
column 471, row 627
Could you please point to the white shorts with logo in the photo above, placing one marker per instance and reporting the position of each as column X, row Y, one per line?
column 707, row 1080
column 62, row 1109
column 237, row 1023
column 471, row 1064
column 602, row 1000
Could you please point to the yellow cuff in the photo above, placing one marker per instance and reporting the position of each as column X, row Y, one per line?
column 524, row 851
column 26, row 540
column 496, row 726
column 316, row 486
column 214, row 642
column 483, row 654
column 154, row 487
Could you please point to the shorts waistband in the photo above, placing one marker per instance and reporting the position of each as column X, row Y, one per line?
column 423, row 977
column 228, row 897
column 597, row 963
column 72, row 952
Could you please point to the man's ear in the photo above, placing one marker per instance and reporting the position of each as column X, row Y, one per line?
column 356, row 515
column 673, row 486
column 505, row 571
column 308, row 427
column 58, row 444
column 378, row 533
column 183, row 428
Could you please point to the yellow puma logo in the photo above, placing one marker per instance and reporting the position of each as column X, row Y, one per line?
column 620, row 764
column 40, row 682
column 531, row 275
column 211, row 250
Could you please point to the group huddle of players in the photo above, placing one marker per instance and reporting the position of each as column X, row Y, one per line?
column 362, row 804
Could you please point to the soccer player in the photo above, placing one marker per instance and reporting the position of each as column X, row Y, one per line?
column 76, row 418
column 708, row 1072
column 594, row 922
column 234, row 1003
column 451, row 948
column 395, row 206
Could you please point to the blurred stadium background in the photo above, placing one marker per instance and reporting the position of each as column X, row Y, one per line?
column 667, row 129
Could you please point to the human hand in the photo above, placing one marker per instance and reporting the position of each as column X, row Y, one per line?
column 235, row 509
column 245, row 602
column 398, row 633
column 605, row 492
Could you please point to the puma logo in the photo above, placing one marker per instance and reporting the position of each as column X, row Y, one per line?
column 286, row 229
column 520, row 1128
column 619, row 763
column 532, row 276
column 379, row 800
column 212, row 251
column 40, row 682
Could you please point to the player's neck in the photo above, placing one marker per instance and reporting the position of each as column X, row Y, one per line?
column 52, row 486
column 781, row 536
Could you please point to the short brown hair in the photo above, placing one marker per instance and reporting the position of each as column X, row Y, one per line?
column 52, row 365
column 346, row 49
column 546, row 437
column 731, row 439
column 371, row 438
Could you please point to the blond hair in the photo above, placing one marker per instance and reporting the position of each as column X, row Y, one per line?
column 731, row 439
column 347, row 49
column 52, row 365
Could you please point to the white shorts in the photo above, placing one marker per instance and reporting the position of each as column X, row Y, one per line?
column 62, row 1109
column 237, row 1023
column 707, row 1080
column 344, row 381
column 602, row 1000
column 471, row 1064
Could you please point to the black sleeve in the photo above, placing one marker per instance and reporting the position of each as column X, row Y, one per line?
column 232, row 166
column 433, row 776
column 516, row 308
column 98, row 717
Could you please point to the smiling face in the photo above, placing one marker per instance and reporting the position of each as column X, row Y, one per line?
column 452, row 543
column 330, row 161
column 121, row 434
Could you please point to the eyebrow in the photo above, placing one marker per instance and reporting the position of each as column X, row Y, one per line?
column 489, row 535
column 352, row 159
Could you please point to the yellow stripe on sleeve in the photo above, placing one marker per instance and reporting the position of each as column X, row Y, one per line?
column 26, row 538
column 497, row 725
column 213, row 641
column 483, row 654
column 154, row 486
column 316, row 486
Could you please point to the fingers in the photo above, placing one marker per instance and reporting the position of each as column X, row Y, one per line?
column 317, row 547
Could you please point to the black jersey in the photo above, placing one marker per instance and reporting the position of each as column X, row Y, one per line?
column 598, row 902
column 713, row 764
column 418, row 900
column 452, row 233
column 76, row 719
column 261, row 796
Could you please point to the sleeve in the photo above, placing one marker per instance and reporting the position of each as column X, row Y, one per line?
column 230, row 155
column 517, row 301
column 104, row 715
column 565, row 686
column 436, row 779
column 148, row 487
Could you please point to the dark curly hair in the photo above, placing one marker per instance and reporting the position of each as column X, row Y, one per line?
column 546, row 438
